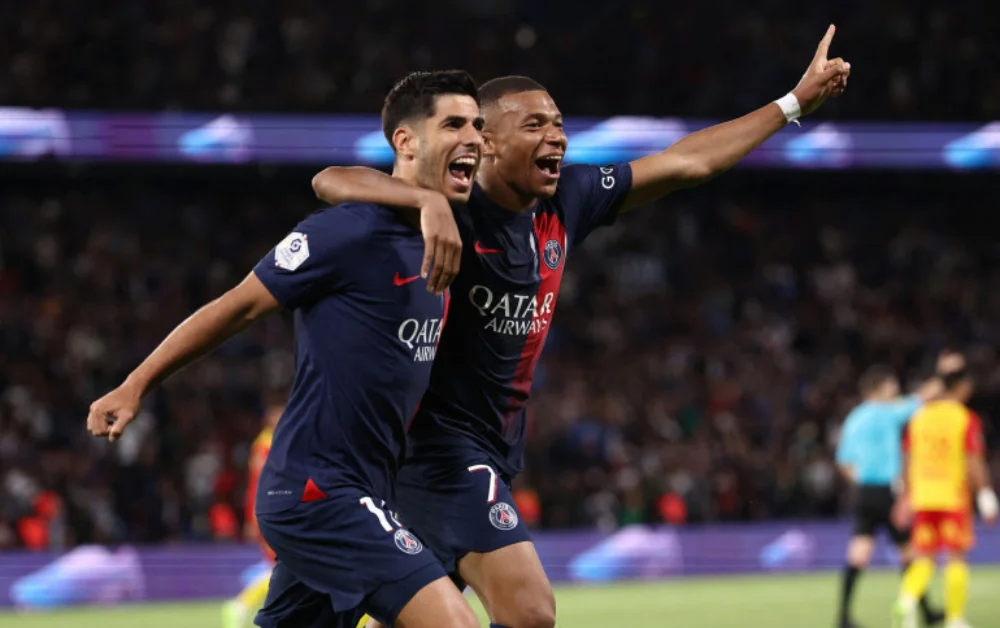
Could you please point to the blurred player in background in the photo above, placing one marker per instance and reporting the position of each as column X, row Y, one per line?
column 366, row 333
column 945, row 464
column 870, row 457
column 526, row 213
column 236, row 612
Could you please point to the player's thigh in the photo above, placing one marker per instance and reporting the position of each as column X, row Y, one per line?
column 350, row 548
column 437, row 605
column 291, row 603
column 925, row 537
column 865, row 523
column 512, row 585
column 957, row 532
column 458, row 507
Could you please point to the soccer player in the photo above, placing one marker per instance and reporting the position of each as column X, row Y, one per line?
column 366, row 332
column 526, row 213
column 870, row 456
column 945, row 464
column 236, row 611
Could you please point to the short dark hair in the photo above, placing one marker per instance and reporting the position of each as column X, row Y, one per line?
column 413, row 96
column 953, row 379
column 493, row 90
column 874, row 377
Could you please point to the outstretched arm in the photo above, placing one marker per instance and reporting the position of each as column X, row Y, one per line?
column 710, row 152
column 442, row 242
column 202, row 332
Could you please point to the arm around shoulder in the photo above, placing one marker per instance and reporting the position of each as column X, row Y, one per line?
column 337, row 184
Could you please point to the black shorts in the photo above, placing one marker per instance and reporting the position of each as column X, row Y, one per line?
column 874, row 510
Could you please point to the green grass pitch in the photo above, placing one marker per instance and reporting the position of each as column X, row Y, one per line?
column 804, row 601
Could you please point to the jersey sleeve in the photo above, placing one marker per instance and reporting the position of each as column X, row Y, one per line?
column 974, row 441
column 313, row 259
column 592, row 196
column 904, row 409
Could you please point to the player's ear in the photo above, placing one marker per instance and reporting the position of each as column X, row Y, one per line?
column 405, row 141
column 489, row 143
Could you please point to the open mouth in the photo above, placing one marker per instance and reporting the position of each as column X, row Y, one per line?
column 462, row 169
column 549, row 165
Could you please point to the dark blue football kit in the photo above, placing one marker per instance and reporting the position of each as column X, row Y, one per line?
column 466, row 442
column 366, row 332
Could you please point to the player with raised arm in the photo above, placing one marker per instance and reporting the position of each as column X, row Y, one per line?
column 870, row 457
column 526, row 214
column 366, row 332
column 945, row 465
column 236, row 611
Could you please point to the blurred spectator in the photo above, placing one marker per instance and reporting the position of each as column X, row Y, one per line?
column 715, row 58
column 704, row 354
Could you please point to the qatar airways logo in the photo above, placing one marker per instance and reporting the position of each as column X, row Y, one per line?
column 513, row 314
column 421, row 337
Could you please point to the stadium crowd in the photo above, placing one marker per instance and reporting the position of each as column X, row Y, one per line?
column 641, row 57
column 704, row 354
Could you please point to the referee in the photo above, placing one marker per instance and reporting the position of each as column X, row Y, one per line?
column 870, row 457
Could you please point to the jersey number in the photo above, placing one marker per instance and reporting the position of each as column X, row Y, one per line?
column 369, row 503
column 491, row 494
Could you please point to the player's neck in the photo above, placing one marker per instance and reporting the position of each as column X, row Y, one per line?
column 504, row 194
column 403, row 173
column 411, row 217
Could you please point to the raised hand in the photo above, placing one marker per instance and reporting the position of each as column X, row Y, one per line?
column 823, row 78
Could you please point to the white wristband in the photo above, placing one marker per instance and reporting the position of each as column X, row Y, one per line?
column 986, row 499
column 790, row 107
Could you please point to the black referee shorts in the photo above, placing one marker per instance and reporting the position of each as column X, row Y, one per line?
column 874, row 510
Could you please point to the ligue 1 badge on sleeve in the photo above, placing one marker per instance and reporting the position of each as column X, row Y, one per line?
column 292, row 251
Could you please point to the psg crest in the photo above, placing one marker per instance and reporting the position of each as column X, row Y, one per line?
column 552, row 254
column 503, row 516
column 407, row 543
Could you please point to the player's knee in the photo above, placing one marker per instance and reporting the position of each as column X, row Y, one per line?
column 538, row 611
column 859, row 552
column 956, row 556
column 461, row 615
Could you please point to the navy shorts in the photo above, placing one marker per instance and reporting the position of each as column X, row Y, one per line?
column 458, row 504
column 338, row 558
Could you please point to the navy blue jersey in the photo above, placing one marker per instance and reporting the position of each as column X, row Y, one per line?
column 504, row 300
column 366, row 331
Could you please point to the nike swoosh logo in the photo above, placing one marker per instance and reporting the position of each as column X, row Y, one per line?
column 402, row 281
column 482, row 250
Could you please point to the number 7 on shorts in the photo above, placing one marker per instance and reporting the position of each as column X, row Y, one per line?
column 491, row 495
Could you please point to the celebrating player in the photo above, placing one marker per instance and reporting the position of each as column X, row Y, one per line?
column 525, row 215
column 946, row 463
column 236, row 611
column 366, row 335
column 870, row 456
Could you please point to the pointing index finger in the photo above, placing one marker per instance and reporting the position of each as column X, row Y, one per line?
column 824, row 45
